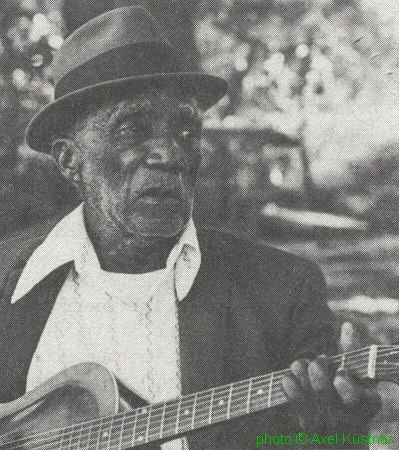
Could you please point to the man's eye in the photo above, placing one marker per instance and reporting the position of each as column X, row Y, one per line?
column 130, row 130
column 186, row 134
column 124, row 130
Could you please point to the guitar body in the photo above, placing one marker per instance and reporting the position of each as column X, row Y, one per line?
column 80, row 393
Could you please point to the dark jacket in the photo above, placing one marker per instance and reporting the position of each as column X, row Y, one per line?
column 251, row 310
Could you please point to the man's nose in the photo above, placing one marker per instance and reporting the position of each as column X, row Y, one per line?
column 164, row 153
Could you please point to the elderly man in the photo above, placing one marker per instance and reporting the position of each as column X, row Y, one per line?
column 126, row 280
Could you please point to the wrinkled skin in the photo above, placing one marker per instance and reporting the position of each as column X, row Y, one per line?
column 135, row 162
column 141, row 160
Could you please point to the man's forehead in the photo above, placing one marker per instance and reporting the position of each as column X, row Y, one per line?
column 149, row 100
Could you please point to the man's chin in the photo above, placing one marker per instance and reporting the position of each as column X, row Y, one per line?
column 153, row 227
column 162, row 228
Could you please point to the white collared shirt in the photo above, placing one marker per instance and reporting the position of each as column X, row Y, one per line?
column 126, row 322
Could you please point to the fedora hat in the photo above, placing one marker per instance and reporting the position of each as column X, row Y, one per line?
column 123, row 49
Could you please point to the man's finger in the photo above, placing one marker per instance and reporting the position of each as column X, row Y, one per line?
column 300, row 369
column 292, row 388
column 362, row 402
column 349, row 391
column 320, row 375
column 327, row 402
column 350, row 339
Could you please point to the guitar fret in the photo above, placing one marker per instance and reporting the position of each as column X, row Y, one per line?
column 94, row 438
column 120, row 445
column 141, row 425
column 220, row 407
column 202, row 409
column 99, row 433
column 126, row 425
column 79, row 443
column 162, row 420
column 155, row 423
column 70, row 439
column 238, row 403
column 105, row 431
column 211, row 407
column 249, row 395
column 169, row 418
column 278, row 396
column 229, row 401
column 177, row 417
column 193, row 414
column 134, row 427
column 148, row 424
column 89, row 435
column 62, row 439
column 110, row 433
column 186, row 413
column 269, row 400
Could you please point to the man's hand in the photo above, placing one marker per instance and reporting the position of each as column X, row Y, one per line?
column 323, row 399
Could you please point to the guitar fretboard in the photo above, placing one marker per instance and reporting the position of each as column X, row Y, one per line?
column 176, row 417
column 180, row 416
column 190, row 412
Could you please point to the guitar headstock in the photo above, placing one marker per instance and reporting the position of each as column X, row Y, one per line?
column 387, row 363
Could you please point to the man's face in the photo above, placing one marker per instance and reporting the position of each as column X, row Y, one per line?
column 139, row 161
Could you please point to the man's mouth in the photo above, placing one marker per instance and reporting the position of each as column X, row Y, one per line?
column 158, row 193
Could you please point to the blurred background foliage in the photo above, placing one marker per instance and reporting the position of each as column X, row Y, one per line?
column 318, row 77
column 303, row 152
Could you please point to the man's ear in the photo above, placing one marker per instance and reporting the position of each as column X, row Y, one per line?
column 66, row 155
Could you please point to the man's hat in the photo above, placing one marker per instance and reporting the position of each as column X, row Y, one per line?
column 123, row 49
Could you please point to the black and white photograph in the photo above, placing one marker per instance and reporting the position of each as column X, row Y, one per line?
column 199, row 224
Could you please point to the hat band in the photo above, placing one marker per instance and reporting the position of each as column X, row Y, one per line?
column 124, row 62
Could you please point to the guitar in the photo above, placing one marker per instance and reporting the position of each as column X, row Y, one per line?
column 85, row 407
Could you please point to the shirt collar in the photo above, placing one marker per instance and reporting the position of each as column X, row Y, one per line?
column 68, row 241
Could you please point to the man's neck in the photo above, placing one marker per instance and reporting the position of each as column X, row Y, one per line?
column 121, row 253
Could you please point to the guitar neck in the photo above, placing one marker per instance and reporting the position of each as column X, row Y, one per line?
column 173, row 418
column 180, row 416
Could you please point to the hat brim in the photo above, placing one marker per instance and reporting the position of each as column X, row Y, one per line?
column 207, row 89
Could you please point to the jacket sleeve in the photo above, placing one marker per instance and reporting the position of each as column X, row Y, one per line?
column 312, row 323
column 314, row 332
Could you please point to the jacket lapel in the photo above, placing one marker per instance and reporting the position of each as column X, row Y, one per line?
column 202, row 329
column 22, row 324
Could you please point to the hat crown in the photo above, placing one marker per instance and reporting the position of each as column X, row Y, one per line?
column 119, row 28
column 121, row 50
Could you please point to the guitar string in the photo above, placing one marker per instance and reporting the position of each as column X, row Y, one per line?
column 110, row 445
column 254, row 409
column 98, row 447
column 143, row 424
column 256, row 380
column 221, row 390
column 201, row 420
column 282, row 395
column 349, row 356
column 113, row 441
column 93, row 433
column 279, row 400
column 128, row 441
column 236, row 398
column 155, row 437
